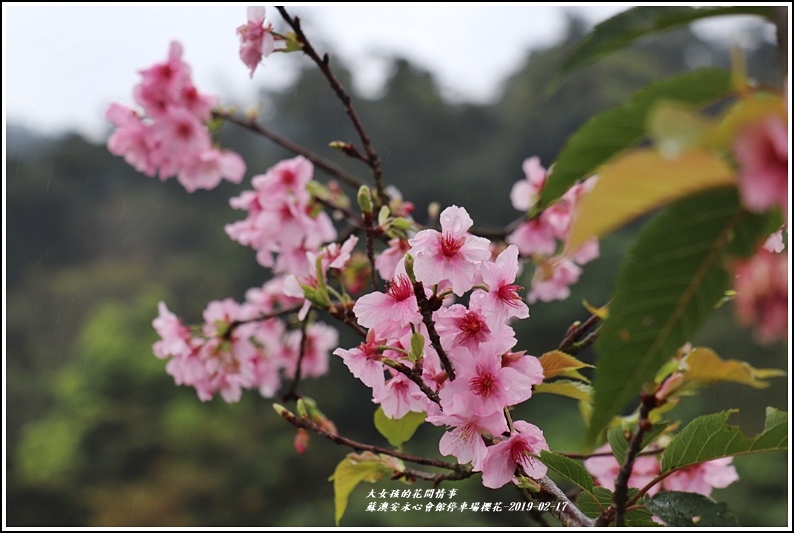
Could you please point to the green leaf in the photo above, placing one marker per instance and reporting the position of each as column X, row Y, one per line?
column 709, row 437
column 641, row 181
column 626, row 27
column 665, row 290
column 400, row 430
column 351, row 471
column 565, row 387
column 619, row 444
column 569, row 469
column 592, row 504
column 417, row 347
column 688, row 509
column 612, row 131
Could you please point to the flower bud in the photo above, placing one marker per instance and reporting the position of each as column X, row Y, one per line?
column 364, row 199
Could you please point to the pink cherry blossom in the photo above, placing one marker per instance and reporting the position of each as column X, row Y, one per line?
column 503, row 458
column 605, row 468
column 703, row 477
column 452, row 254
column 207, row 168
column 525, row 193
column 483, row 386
column 364, row 362
column 256, row 38
column 280, row 219
column 389, row 312
column 175, row 337
column 386, row 262
column 552, row 279
column 762, row 152
column 464, row 440
column 172, row 140
column 399, row 396
column 320, row 340
column 132, row 139
column 775, row 242
column 459, row 327
column 533, row 238
column 163, row 85
column 761, row 284
column 501, row 301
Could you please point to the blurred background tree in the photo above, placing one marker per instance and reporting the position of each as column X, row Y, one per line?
column 97, row 433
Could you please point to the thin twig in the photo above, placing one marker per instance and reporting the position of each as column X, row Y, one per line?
column 344, row 441
column 426, row 307
column 410, row 473
column 261, row 318
column 414, row 375
column 621, row 495
column 372, row 159
column 575, row 333
column 569, row 515
column 321, row 162
column 292, row 393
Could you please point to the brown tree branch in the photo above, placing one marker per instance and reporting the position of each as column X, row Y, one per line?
column 325, row 164
column 372, row 159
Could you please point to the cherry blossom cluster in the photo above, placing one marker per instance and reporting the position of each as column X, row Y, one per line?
column 170, row 138
column 541, row 237
column 236, row 349
column 701, row 478
column 761, row 282
column 402, row 365
column 282, row 218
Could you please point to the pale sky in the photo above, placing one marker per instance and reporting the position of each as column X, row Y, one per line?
column 63, row 64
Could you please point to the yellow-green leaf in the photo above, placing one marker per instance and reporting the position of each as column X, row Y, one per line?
column 676, row 127
column 702, row 367
column 600, row 312
column 748, row 111
column 351, row 471
column 398, row 431
column 564, row 387
column 641, row 181
column 558, row 363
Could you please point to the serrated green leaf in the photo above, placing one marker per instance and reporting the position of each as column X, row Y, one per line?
column 612, row 131
column 641, row 181
column 400, row 430
column 616, row 437
column 626, row 27
column 665, row 290
column 688, row 509
column 710, row 437
column 570, row 389
column 569, row 469
column 351, row 471
column 592, row 504
column 774, row 417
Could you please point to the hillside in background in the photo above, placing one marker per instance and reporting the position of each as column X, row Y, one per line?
column 97, row 433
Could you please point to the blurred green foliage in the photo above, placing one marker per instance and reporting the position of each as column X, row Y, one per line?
column 97, row 433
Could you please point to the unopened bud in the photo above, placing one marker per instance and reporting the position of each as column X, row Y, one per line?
column 301, row 442
column 280, row 409
column 364, row 199
column 409, row 267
